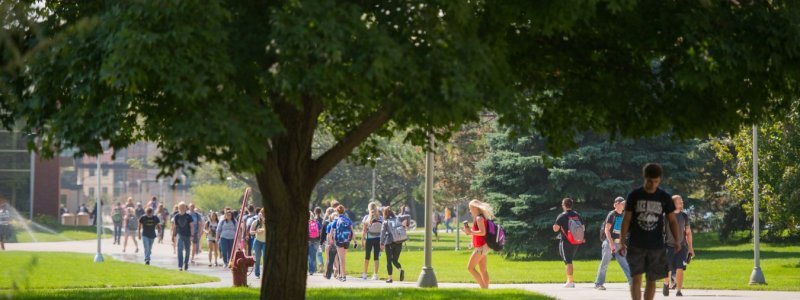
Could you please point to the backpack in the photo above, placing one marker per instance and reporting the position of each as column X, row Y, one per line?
column 116, row 216
column 495, row 236
column 344, row 230
column 575, row 231
column 375, row 226
column 313, row 229
column 397, row 231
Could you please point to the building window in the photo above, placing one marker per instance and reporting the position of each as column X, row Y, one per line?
column 91, row 192
column 91, row 172
column 105, row 191
column 105, row 172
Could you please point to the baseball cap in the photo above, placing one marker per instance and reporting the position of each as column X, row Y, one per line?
column 618, row 200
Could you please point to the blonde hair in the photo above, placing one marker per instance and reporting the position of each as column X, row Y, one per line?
column 485, row 208
column 374, row 214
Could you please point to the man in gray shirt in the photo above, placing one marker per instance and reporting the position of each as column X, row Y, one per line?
column 678, row 260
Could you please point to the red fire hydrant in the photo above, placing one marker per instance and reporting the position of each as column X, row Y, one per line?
column 240, row 263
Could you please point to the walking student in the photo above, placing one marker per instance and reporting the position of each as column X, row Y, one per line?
column 147, row 232
column 448, row 217
column 389, row 245
column 678, row 260
column 5, row 223
column 333, row 262
column 610, row 236
column 211, row 237
column 314, row 230
column 183, row 229
column 116, row 218
column 226, row 232
column 197, row 223
column 131, row 226
column 318, row 215
column 644, row 220
column 480, row 211
column 342, row 234
column 259, row 231
column 570, row 227
column 161, row 213
column 175, row 212
column 371, row 238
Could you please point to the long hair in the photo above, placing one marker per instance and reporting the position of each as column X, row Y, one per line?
column 483, row 207
column 374, row 213
column 387, row 213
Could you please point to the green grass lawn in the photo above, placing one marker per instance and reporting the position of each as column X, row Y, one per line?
column 715, row 266
column 58, row 270
column 59, row 234
column 311, row 294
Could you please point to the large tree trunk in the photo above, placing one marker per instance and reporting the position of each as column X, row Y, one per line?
column 286, row 180
column 285, row 265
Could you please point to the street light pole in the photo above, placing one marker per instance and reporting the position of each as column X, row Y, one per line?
column 98, row 214
column 33, row 176
column 756, row 277
column 428, row 278
column 374, row 178
column 458, row 226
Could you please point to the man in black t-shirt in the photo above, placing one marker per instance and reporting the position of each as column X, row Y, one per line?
column 182, row 227
column 147, row 232
column 645, row 209
column 566, row 248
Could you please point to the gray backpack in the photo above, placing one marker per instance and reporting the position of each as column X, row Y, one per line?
column 397, row 230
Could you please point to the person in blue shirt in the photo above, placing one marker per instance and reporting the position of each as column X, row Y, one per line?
column 610, row 236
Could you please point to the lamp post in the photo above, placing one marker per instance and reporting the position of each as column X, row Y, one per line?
column 33, row 176
column 98, row 257
column 756, row 277
column 427, row 278
column 458, row 226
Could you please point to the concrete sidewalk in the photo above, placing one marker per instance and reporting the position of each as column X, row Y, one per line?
column 163, row 257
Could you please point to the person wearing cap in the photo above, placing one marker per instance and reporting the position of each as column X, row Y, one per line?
column 610, row 237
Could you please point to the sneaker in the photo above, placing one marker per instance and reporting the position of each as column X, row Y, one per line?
column 180, row 269
column 258, row 277
column 569, row 285
column 599, row 287
column 388, row 280
column 402, row 275
column 679, row 294
column 364, row 276
column 147, row 262
column 374, row 276
column 186, row 268
column 665, row 290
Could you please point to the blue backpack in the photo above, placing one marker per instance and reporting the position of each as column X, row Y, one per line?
column 344, row 230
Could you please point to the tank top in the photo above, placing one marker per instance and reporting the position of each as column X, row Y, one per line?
column 478, row 241
column 212, row 231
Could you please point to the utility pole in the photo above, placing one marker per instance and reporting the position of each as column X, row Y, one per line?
column 756, row 277
column 98, row 214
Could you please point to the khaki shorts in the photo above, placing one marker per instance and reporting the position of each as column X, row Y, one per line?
column 482, row 250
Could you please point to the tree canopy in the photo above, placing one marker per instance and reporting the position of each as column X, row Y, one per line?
column 249, row 83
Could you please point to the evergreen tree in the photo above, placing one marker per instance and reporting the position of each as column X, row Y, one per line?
column 526, row 184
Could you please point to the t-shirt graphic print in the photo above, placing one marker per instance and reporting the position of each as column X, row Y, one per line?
column 647, row 224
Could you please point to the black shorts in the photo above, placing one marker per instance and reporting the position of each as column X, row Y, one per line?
column 651, row 262
column 677, row 260
column 567, row 251
column 345, row 245
column 375, row 246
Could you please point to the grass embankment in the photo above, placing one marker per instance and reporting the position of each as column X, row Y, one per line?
column 59, row 234
column 58, row 270
column 311, row 294
column 715, row 266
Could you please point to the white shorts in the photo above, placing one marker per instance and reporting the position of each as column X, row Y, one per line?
column 482, row 250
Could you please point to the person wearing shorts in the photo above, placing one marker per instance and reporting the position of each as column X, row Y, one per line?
column 645, row 210
column 565, row 248
column 371, row 238
column 678, row 260
column 480, row 212
column 131, row 228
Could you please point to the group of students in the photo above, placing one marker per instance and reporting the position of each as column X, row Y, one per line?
column 332, row 233
column 188, row 226
column 648, row 234
column 383, row 231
